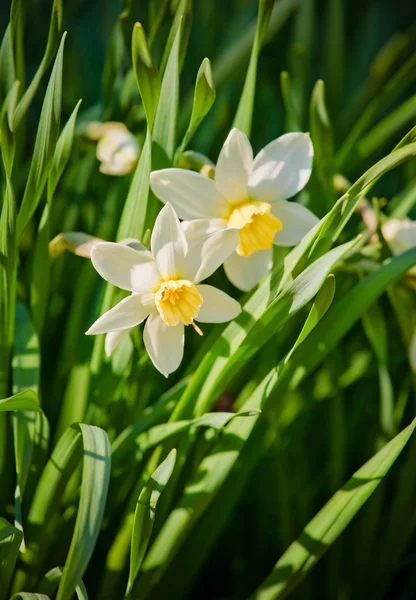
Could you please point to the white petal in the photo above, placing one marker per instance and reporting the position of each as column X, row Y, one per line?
column 94, row 130
column 118, row 151
column 399, row 235
column 296, row 222
column 115, row 168
column 125, row 267
column 198, row 229
column 218, row 307
column 214, row 251
column 111, row 140
column 209, row 244
column 282, row 168
column 113, row 339
column 193, row 196
column 168, row 243
column 163, row 343
column 246, row 272
column 126, row 314
column 234, row 167
column 196, row 233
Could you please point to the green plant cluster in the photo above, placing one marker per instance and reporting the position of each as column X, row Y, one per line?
column 236, row 475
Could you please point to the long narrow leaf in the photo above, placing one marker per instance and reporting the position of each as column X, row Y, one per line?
column 244, row 115
column 146, row 72
column 145, row 515
column 50, row 583
column 46, row 139
column 52, row 44
column 10, row 540
column 331, row 521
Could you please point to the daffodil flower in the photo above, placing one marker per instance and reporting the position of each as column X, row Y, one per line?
column 117, row 148
column 249, row 195
column 165, row 287
column 82, row 244
column 400, row 236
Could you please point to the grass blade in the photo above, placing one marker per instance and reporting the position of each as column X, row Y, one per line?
column 84, row 445
column 164, row 132
column 331, row 521
column 204, row 96
column 50, row 582
column 46, row 139
column 397, row 83
column 321, row 134
column 182, row 20
column 335, row 53
column 10, row 540
column 52, row 44
column 62, row 152
column 145, row 515
column 30, row 429
column 146, row 72
column 26, row 400
column 29, row 596
column 7, row 68
column 244, row 115
column 94, row 488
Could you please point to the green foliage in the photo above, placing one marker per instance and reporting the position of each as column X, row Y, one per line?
column 244, row 115
column 298, row 416
column 329, row 523
column 45, row 144
column 144, row 515
column 146, row 72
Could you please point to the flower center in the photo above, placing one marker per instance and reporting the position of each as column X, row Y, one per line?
column 178, row 301
column 257, row 226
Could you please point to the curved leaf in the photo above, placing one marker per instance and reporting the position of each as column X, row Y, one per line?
column 46, row 139
column 26, row 400
column 10, row 540
column 84, row 445
column 50, row 582
column 145, row 515
column 52, row 44
column 245, row 108
column 146, row 72
column 331, row 521
column 204, row 96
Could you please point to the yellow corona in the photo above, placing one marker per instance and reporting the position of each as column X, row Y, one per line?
column 257, row 226
column 178, row 301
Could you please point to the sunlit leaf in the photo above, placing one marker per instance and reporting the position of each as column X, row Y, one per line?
column 145, row 515
column 331, row 521
column 10, row 540
column 146, row 72
column 46, row 139
column 204, row 97
column 52, row 44
column 244, row 113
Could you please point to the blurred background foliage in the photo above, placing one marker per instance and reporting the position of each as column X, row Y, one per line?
column 373, row 39
column 327, row 427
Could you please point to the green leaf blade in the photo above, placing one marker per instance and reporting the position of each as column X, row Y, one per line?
column 46, row 139
column 145, row 515
column 331, row 521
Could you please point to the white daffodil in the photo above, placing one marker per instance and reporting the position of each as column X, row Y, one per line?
column 400, row 236
column 117, row 148
column 82, row 244
column 165, row 286
column 249, row 195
